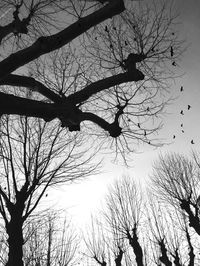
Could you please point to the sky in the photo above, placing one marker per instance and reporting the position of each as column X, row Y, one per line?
column 82, row 199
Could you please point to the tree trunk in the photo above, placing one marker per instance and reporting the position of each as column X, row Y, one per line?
column 15, row 242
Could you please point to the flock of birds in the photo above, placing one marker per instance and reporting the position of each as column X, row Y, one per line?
column 181, row 89
column 182, row 113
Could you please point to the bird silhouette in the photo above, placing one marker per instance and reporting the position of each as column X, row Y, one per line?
column 126, row 43
column 192, row 141
column 171, row 51
column 181, row 112
column 174, row 136
column 189, row 106
column 182, row 131
column 138, row 125
column 111, row 46
column 173, row 33
column 145, row 133
column 95, row 38
column 181, row 125
column 181, row 88
column 106, row 28
column 114, row 28
column 173, row 63
column 148, row 109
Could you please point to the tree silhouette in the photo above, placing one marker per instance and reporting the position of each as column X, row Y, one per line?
column 33, row 158
column 113, row 78
column 176, row 180
column 138, row 230
column 51, row 240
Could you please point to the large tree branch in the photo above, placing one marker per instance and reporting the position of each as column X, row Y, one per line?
column 70, row 116
column 103, row 84
column 31, row 83
column 113, row 128
column 50, row 43
column 10, row 104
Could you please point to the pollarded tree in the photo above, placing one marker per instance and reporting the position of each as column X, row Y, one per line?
column 117, row 239
column 176, row 180
column 135, row 230
column 115, row 71
column 34, row 156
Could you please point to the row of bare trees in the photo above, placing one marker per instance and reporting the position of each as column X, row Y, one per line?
column 157, row 226
column 160, row 227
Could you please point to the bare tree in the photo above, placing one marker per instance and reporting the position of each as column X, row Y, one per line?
column 176, row 180
column 50, row 241
column 122, row 65
column 115, row 240
column 96, row 243
column 141, row 231
column 124, row 204
column 34, row 156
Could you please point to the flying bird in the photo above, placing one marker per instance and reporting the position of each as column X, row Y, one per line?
column 181, row 112
column 189, row 106
column 181, row 88
column 171, row 51
column 192, row 141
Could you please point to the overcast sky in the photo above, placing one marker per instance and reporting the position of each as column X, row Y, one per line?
column 81, row 199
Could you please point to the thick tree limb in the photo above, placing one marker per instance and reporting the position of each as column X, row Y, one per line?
column 17, row 26
column 50, row 43
column 31, row 83
column 64, row 109
column 103, row 84
column 134, row 243
column 193, row 219
column 164, row 257
column 113, row 128
column 10, row 104
column 70, row 116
